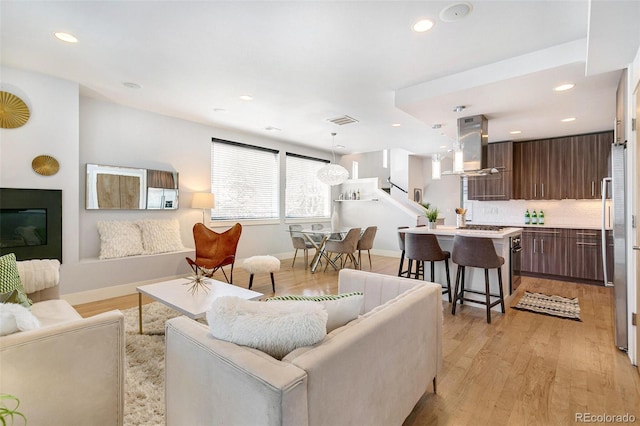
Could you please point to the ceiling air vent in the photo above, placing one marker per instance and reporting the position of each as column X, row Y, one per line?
column 342, row 120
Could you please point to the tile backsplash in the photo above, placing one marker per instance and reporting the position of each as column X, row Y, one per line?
column 575, row 213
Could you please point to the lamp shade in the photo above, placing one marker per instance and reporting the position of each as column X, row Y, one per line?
column 333, row 174
column 203, row 200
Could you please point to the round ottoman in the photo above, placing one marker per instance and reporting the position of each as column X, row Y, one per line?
column 261, row 264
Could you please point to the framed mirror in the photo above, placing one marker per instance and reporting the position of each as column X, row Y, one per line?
column 128, row 188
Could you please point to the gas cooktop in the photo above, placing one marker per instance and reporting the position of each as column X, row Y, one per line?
column 494, row 228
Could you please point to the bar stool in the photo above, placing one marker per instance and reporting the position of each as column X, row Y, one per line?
column 425, row 248
column 401, row 237
column 476, row 252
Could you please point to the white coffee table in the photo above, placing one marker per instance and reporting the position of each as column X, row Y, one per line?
column 176, row 295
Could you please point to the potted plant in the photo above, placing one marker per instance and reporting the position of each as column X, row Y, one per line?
column 7, row 414
column 432, row 216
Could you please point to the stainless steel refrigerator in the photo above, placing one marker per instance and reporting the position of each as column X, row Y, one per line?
column 614, row 217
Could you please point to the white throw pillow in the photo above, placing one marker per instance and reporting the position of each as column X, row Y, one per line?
column 14, row 317
column 341, row 308
column 273, row 328
column 119, row 238
column 160, row 236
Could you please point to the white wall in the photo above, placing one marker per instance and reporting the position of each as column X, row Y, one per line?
column 77, row 130
column 52, row 129
column 443, row 193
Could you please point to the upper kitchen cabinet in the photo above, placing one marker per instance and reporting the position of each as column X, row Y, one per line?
column 538, row 169
column 590, row 155
column 621, row 101
column 569, row 167
column 494, row 186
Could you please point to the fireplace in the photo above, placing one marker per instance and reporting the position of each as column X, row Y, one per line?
column 31, row 223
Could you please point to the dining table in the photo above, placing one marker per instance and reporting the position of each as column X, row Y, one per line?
column 319, row 243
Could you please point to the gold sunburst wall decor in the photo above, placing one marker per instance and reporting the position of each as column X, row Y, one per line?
column 45, row 165
column 13, row 111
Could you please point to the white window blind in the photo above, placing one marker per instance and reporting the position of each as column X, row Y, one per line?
column 244, row 180
column 306, row 196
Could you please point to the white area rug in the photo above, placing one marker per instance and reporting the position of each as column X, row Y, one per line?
column 144, row 387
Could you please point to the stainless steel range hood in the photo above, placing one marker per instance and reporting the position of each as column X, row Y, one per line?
column 473, row 139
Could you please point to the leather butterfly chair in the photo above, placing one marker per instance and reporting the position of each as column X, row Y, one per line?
column 214, row 250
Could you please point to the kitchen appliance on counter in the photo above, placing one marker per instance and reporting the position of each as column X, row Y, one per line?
column 615, row 218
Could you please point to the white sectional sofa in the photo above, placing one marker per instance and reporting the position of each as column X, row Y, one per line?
column 71, row 371
column 371, row 371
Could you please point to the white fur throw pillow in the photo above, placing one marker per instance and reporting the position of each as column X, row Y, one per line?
column 14, row 317
column 119, row 238
column 341, row 308
column 273, row 328
column 160, row 236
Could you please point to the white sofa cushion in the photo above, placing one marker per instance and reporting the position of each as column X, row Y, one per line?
column 119, row 238
column 160, row 236
column 274, row 328
column 55, row 311
column 341, row 308
column 14, row 317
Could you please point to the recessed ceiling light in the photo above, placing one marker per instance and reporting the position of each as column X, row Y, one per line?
column 219, row 110
column 66, row 37
column 272, row 129
column 455, row 12
column 566, row 120
column 459, row 108
column 423, row 25
column 564, row 87
column 443, row 146
column 246, row 98
column 396, row 125
column 131, row 85
column 340, row 146
column 515, row 132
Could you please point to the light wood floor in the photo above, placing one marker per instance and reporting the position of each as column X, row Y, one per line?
column 523, row 368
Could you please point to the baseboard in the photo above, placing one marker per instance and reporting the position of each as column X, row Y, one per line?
column 130, row 288
column 110, row 292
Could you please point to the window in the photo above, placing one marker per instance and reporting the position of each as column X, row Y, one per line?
column 244, row 180
column 306, row 196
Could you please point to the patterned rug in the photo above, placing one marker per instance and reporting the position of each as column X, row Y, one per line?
column 556, row 306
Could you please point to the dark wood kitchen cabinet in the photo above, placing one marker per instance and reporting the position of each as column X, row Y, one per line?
column 569, row 167
column 544, row 251
column 590, row 157
column 585, row 254
column 538, row 169
column 497, row 186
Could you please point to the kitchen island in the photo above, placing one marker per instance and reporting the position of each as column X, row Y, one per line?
column 503, row 240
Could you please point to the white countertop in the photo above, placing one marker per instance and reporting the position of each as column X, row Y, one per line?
column 453, row 231
column 540, row 226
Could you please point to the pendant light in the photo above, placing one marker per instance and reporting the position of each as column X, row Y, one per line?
column 458, row 158
column 333, row 174
column 436, row 167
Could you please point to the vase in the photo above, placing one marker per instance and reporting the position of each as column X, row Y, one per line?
column 431, row 225
column 335, row 219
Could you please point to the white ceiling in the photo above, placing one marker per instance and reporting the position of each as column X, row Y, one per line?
column 305, row 62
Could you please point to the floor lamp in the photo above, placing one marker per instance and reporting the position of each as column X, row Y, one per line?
column 203, row 200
